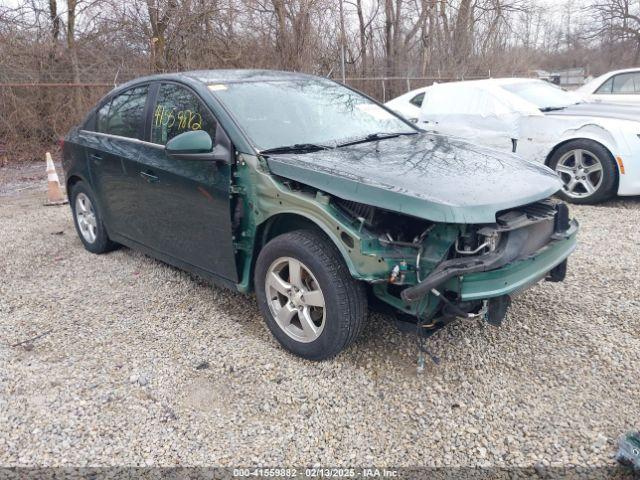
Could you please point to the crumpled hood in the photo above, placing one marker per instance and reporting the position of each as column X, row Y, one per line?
column 430, row 176
column 600, row 110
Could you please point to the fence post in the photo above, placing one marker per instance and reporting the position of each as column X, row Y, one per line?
column 408, row 85
column 384, row 92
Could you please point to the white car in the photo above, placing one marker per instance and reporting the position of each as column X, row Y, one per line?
column 619, row 86
column 594, row 147
column 409, row 104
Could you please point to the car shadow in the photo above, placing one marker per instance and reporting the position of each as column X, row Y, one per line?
column 622, row 202
column 383, row 350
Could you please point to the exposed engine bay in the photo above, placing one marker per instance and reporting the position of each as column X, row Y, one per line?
column 391, row 226
column 426, row 261
column 516, row 234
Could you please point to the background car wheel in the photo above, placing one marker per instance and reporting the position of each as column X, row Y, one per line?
column 587, row 170
column 310, row 301
column 88, row 220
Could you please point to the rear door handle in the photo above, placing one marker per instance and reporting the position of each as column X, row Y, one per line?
column 95, row 156
column 149, row 177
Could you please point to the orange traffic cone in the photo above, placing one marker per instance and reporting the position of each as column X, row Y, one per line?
column 54, row 192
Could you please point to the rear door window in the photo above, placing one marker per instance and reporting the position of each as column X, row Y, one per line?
column 124, row 114
column 178, row 110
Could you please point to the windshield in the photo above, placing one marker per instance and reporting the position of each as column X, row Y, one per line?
column 288, row 112
column 543, row 95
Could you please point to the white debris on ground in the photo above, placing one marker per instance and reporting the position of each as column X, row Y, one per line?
column 144, row 364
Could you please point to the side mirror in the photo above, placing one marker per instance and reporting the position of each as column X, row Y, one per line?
column 196, row 145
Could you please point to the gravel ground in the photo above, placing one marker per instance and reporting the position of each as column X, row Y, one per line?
column 146, row 365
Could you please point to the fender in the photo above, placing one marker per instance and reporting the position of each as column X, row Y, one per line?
column 321, row 224
column 618, row 148
column 589, row 131
column 264, row 197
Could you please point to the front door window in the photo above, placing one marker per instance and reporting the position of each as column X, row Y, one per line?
column 178, row 110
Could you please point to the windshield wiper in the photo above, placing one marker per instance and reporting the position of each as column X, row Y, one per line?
column 296, row 148
column 551, row 109
column 375, row 136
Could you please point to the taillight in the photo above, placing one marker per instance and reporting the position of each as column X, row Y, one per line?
column 61, row 143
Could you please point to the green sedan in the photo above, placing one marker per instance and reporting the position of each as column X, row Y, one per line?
column 316, row 197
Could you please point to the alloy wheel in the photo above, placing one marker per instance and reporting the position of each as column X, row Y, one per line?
column 581, row 172
column 295, row 299
column 86, row 218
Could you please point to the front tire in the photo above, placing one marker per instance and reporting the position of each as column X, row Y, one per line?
column 587, row 170
column 88, row 220
column 310, row 301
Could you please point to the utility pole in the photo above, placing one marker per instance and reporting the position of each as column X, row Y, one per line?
column 344, row 76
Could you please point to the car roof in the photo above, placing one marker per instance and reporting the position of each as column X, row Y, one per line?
column 594, row 83
column 615, row 72
column 245, row 75
column 483, row 88
column 494, row 81
column 485, row 82
column 223, row 76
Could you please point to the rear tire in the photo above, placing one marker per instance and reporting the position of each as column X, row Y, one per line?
column 88, row 220
column 587, row 170
column 290, row 302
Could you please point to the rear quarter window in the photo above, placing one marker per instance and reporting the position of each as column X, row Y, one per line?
column 417, row 100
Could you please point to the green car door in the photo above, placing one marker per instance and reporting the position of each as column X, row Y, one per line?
column 184, row 205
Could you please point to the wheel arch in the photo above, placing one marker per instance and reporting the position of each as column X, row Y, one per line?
column 608, row 146
column 72, row 180
column 284, row 222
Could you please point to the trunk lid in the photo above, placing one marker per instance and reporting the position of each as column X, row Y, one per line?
column 600, row 110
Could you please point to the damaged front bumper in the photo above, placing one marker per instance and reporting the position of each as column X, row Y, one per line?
column 525, row 255
column 518, row 275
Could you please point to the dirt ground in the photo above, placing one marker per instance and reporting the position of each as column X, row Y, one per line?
column 141, row 364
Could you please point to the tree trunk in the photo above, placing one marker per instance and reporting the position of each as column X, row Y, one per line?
column 388, row 36
column 73, row 54
column 462, row 35
column 159, row 23
column 363, row 39
column 55, row 20
column 281, row 32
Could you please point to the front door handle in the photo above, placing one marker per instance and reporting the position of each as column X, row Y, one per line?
column 149, row 177
column 95, row 156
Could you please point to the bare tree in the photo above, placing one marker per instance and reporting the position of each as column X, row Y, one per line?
column 619, row 21
column 110, row 41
